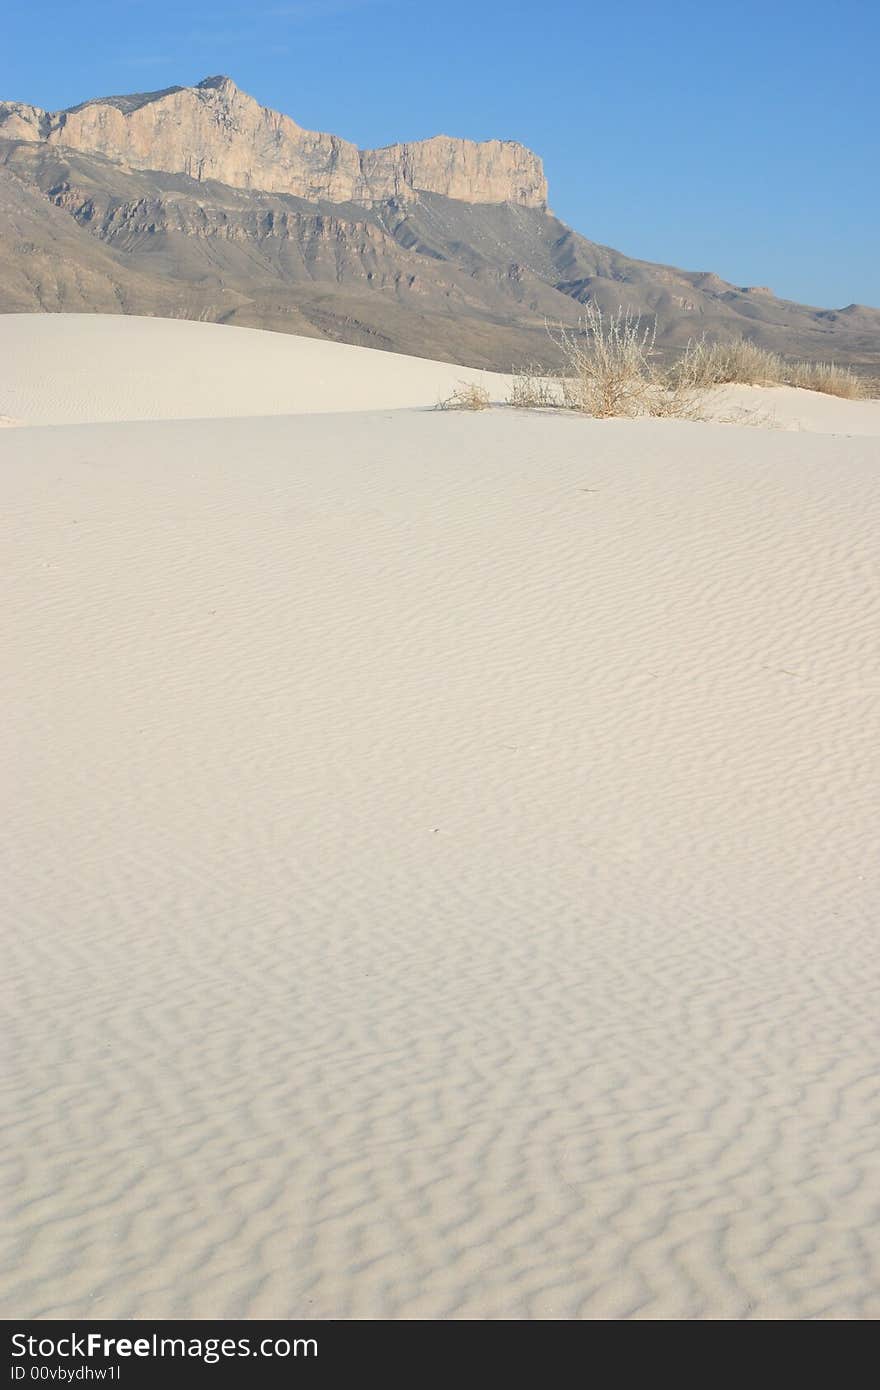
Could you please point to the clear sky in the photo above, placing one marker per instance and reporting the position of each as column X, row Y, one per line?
column 740, row 137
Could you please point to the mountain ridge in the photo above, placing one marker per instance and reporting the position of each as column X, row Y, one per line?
column 416, row 270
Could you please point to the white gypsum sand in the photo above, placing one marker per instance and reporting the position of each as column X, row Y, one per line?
column 61, row 369
column 64, row 369
column 440, row 871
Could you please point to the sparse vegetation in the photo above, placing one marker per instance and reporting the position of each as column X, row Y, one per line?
column 468, row 395
column 705, row 364
column 611, row 370
column 827, row 377
column 532, row 389
column 670, row 398
column 609, row 364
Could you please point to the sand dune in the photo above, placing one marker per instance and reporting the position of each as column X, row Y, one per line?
column 63, row 369
column 792, row 408
column 440, row 864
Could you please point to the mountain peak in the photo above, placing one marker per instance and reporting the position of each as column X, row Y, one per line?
column 220, row 83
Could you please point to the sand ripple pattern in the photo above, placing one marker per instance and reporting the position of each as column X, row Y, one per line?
column 441, row 870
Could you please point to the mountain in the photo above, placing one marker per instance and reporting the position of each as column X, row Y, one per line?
column 200, row 203
column 216, row 132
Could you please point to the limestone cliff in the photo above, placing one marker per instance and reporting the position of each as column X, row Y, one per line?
column 215, row 131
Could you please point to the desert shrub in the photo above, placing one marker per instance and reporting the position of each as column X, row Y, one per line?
column 608, row 364
column 468, row 395
column 610, row 370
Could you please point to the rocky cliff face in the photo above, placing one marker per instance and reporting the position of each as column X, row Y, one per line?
column 215, row 131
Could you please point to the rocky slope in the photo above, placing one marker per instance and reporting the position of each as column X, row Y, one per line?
column 443, row 249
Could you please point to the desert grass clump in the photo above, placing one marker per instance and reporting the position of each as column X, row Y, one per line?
column 828, row 378
column 532, row 389
column 703, row 364
column 468, row 395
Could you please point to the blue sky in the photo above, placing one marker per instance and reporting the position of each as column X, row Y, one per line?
column 738, row 137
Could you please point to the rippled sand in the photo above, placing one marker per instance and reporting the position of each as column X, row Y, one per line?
column 440, row 869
